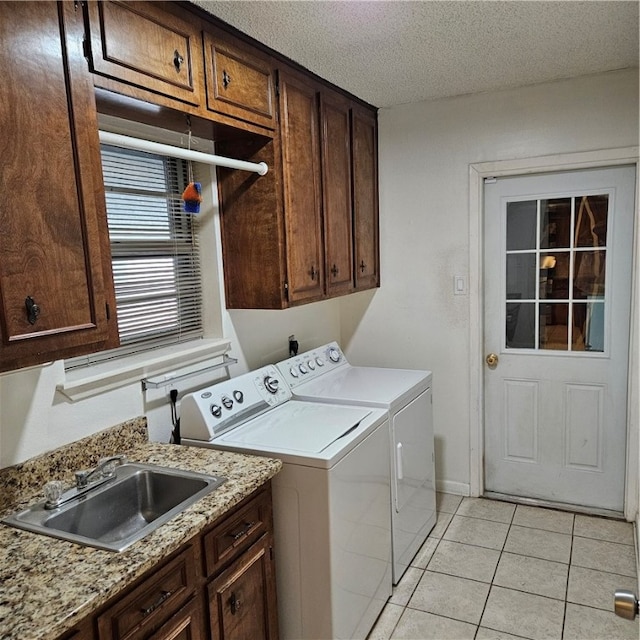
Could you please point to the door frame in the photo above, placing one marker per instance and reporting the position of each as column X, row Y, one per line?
column 527, row 166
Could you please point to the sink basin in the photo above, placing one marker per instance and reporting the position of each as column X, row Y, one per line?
column 120, row 512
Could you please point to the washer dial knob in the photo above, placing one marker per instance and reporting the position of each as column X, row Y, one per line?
column 334, row 355
column 227, row 402
column 311, row 364
column 271, row 384
column 320, row 362
column 294, row 372
column 239, row 396
column 216, row 410
column 303, row 369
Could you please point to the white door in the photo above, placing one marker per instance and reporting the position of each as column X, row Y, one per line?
column 557, row 265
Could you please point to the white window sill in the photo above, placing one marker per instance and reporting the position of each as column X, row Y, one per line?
column 178, row 359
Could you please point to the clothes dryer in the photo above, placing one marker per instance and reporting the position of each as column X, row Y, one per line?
column 324, row 375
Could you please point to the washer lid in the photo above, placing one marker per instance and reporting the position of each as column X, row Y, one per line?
column 297, row 426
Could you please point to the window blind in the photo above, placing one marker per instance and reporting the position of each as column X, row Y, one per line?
column 154, row 247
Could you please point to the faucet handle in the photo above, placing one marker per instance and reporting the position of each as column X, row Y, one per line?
column 53, row 491
column 108, row 465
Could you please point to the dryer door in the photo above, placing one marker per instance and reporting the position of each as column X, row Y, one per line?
column 412, row 434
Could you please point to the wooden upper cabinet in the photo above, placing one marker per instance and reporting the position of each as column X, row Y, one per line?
column 55, row 265
column 299, row 134
column 365, row 198
column 336, row 192
column 239, row 80
column 146, row 45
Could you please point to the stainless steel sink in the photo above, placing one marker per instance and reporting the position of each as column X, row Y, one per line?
column 113, row 516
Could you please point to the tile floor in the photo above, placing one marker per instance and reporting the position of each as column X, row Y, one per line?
column 492, row 571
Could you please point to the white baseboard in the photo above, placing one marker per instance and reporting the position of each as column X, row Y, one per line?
column 449, row 486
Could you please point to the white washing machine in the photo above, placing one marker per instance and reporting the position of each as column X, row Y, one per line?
column 332, row 527
column 325, row 375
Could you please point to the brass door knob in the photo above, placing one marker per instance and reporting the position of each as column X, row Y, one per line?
column 492, row 360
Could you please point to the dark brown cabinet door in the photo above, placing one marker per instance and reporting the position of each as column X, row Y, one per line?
column 336, row 192
column 301, row 184
column 365, row 199
column 146, row 45
column 187, row 624
column 55, row 267
column 242, row 600
column 239, row 80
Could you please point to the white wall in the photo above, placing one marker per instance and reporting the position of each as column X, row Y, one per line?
column 425, row 150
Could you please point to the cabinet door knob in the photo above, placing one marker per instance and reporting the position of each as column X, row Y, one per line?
column 177, row 60
column 33, row 310
column 313, row 273
column 334, row 271
column 363, row 266
column 235, row 603
column 226, row 79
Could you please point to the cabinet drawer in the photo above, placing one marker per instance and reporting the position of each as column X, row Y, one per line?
column 239, row 81
column 146, row 46
column 187, row 624
column 151, row 602
column 237, row 533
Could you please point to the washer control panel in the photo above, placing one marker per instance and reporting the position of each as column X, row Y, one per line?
column 214, row 410
column 312, row 364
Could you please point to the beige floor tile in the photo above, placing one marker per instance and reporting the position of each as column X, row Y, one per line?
column 386, row 622
column 593, row 588
column 482, row 533
column 585, row 623
column 450, row 596
column 604, row 529
column 404, row 590
column 419, row 625
column 523, row 614
column 464, row 561
column 447, row 502
column 604, row 556
column 533, row 575
column 491, row 634
column 547, row 519
column 537, row 543
column 421, row 559
column 486, row 509
column 441, row 525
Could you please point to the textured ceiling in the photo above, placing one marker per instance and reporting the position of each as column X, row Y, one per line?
column 405, row 51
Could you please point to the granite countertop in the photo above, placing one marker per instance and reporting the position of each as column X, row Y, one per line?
column 48, row 585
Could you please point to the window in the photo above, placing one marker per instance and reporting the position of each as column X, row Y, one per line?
column 154, row 248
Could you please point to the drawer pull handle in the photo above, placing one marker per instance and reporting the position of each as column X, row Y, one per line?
column 164, row 595
column 243, row 532
column 334, row 271
column 235, row 604
column 177, row 60
column 363, row 266
column 226, row 79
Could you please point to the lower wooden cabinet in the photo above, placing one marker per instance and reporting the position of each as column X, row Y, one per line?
column 219, row 586
column 241, row 598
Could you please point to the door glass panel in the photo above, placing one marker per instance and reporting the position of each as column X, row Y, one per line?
column 555, row 223
column 521, row 325
column 521, row 225
column 554, row 275
column 588, row 326
column 562, row 308
column 521, row 276
column 554, row 326
column 589, row 271
column 591, row 221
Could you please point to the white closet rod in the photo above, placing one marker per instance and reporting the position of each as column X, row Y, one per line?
column 128, row 142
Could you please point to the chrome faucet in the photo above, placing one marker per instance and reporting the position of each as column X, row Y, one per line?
column 85, row 481
column 106, row 469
